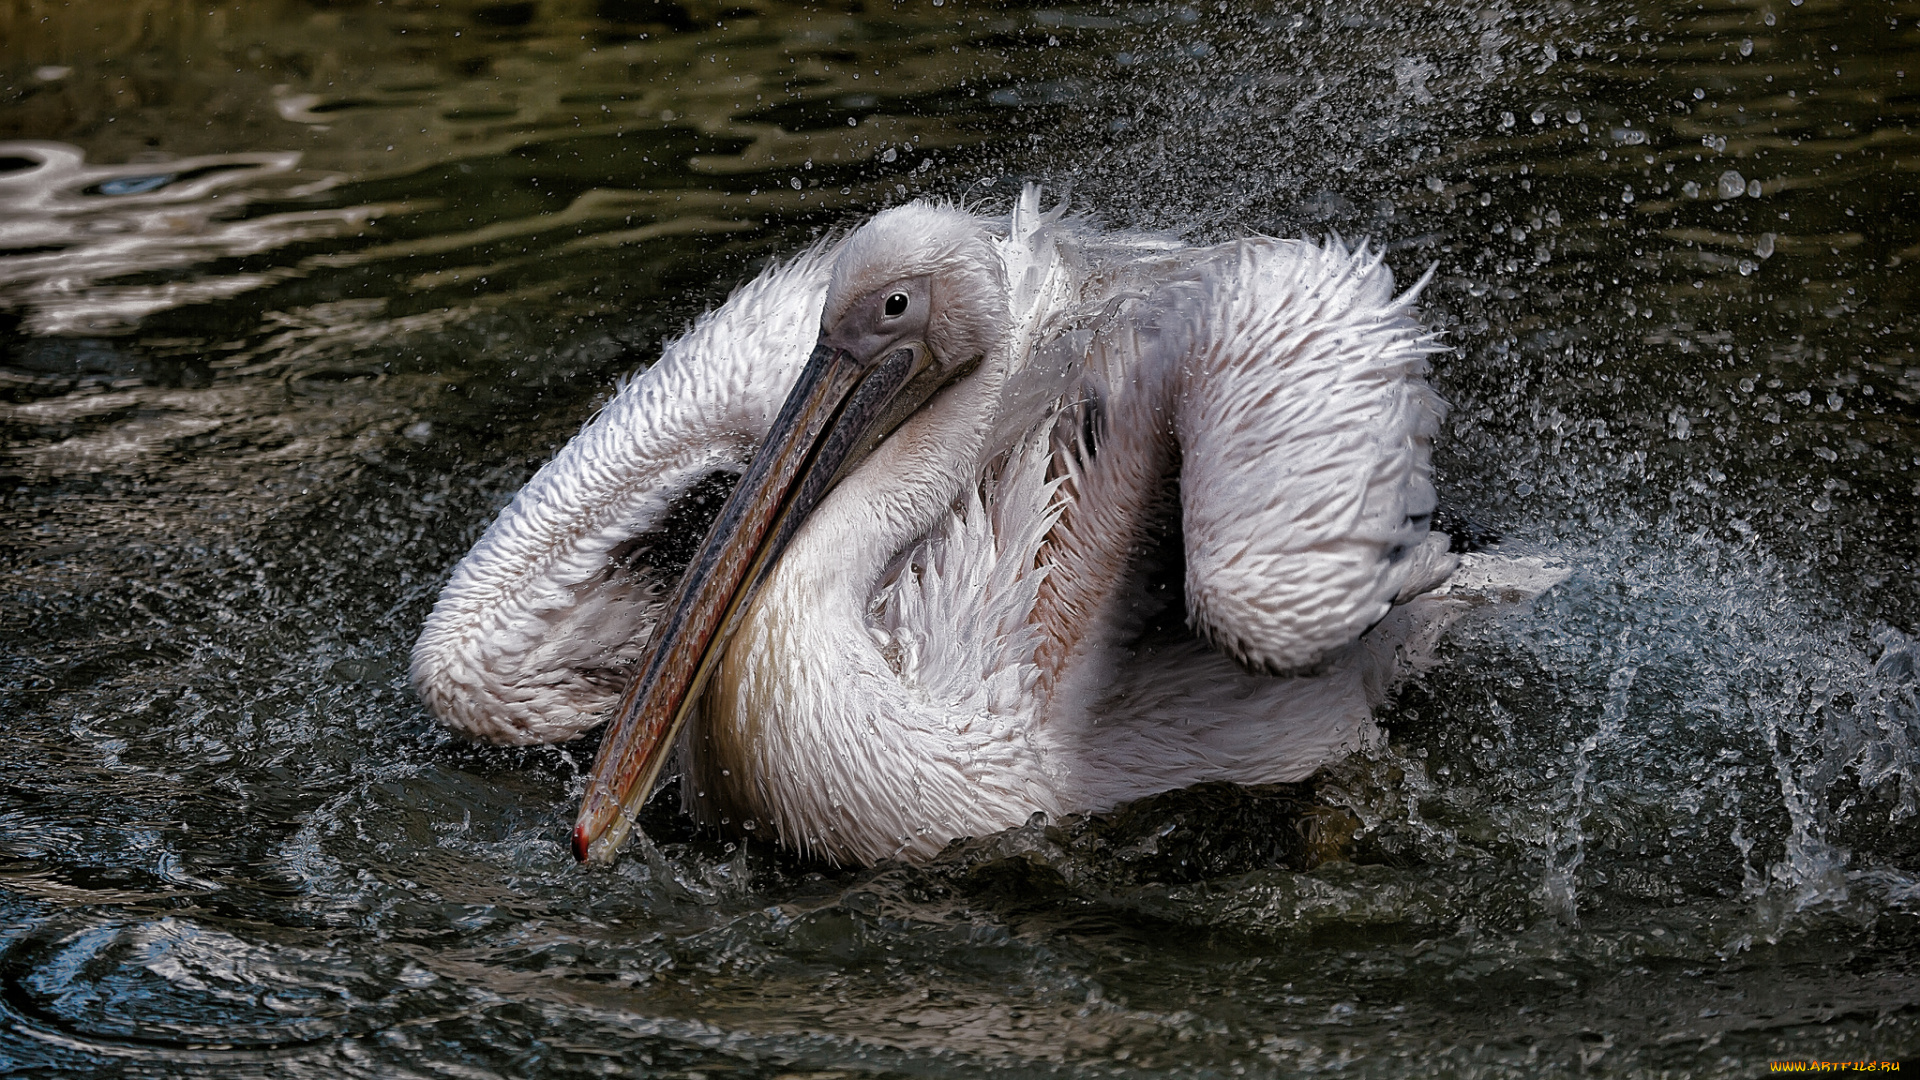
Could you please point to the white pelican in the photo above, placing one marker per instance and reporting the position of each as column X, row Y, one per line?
column 918, row 616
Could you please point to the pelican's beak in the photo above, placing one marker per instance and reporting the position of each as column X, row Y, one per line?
column 842, row 406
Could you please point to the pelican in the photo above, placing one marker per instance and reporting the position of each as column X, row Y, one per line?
column 977, row 458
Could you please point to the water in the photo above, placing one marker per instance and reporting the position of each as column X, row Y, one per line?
column 295, row 296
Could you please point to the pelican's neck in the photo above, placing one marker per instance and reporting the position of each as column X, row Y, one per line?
column 805, row 726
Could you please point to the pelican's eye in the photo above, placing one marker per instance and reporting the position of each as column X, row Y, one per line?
column 896, row 304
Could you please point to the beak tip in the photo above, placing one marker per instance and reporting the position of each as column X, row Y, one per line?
column 582, row 844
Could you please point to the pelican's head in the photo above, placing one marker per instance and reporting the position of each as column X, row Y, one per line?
column 917, row 301
column 943, row 261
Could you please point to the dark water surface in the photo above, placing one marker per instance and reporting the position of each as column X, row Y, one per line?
column 294, row 295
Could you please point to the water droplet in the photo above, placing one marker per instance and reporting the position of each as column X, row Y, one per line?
column 1698, row 94
column 1690, row 189
column 1539, row 116
column 416, row 976
column 1746, row 47
column 1626, row 196
column 795, row 182
column 1573, row 116
column 1753, row 189
column 1732, row 185
column 1764, row 248
column 1822, row 504
column 1506, row 120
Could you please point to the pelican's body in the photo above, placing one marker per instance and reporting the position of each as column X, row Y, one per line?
column 947, row 637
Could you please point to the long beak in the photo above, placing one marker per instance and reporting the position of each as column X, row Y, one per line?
column 841, row 407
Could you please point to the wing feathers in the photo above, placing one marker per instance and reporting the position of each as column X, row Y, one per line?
column 1305, row 427
column 529, row 637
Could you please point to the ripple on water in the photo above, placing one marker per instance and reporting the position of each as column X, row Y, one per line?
column 176, row 984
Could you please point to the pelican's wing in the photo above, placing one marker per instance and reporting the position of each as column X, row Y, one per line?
column 533, row 635
column 1305, row 427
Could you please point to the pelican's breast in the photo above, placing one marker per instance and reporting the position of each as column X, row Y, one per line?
column 876, row 706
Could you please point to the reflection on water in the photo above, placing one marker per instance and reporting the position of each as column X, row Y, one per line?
column 67, row 228
column 294, row 295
